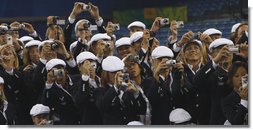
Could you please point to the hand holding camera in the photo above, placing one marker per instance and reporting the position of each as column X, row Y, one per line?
column 222, row 55
column 205, row 39
column 118, row 79
column 94, row 11
column 243, row 50
column 186, row 38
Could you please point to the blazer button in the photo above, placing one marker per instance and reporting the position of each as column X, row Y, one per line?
column 197, row 105
column 124, row 118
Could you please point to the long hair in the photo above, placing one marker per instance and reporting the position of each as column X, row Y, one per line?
column 233, row 69
column 10, row 47
column 105, row 78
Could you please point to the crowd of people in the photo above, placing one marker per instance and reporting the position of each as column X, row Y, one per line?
column 100, row 79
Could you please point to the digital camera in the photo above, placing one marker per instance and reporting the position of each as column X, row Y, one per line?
column 85, row 7
column 171, row 62
column 180, row 24
column 233, row 49
column 134, row 58
column 54, row 46
column 245, row 81
column 93, row 65
column 21, row 26
column 59, row 73
column 164, row 21
column 3, row 30
column 116, row 26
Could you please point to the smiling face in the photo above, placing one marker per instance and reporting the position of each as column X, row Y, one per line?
column 192, row 52
column 34, row 54
column 124, row 50
column 237, row 77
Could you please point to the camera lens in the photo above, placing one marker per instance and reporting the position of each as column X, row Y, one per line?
column 54, row 46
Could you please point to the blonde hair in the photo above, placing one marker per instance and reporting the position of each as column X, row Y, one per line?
column 26, row 57
column 10, row 47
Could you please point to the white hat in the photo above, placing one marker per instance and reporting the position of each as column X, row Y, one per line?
column 193, row 41
column 39, row 109
column 162, row 51
column 234, row 27
column 123, row 41
column 136, row 24
column 85, row 56
column 179, row 115
column 218, row 42
column 72, row 46
column 136, row 36
column 33, row 43
column 54, row 62
column 1, row 80
column 82, row 20
column 43, row 42
column 112, row 64
column 212, row 31
column 135, row 123
column 25, row 39
column 99, row 36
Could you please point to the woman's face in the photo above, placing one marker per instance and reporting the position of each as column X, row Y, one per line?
column 124, row 51
column 56, row 33
column 34, row 54
column 133, row 69
column 240, row 32
column 192, row 52
column 237, row 77
column 99, row 47
column 8, row 56
column 39, row 118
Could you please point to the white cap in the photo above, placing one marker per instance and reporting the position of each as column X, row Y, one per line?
column 33, row 43
column 234, row 27
column 212, row 31
column 25, row 39
column 99, row 36
column 136, row 24
column 82, row 20
column 1, row 80
column 218, row 42
column 135, row 123
column 39, row 109
column 162, row 51
column 54, row 62
column 72, row 46
column 85, row 56
column 123, row 41
column 193, row 41
column 46, row 41
column 112, row 64
column 179, row 115
column 136, row 36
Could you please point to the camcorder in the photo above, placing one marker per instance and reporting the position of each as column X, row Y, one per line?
column 164, row 21
column 233, row 49
column 245, row 81
column 58, row 73
column 171, row 63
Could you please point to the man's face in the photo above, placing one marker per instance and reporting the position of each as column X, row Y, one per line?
column 137, row 46
column 83, row 32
